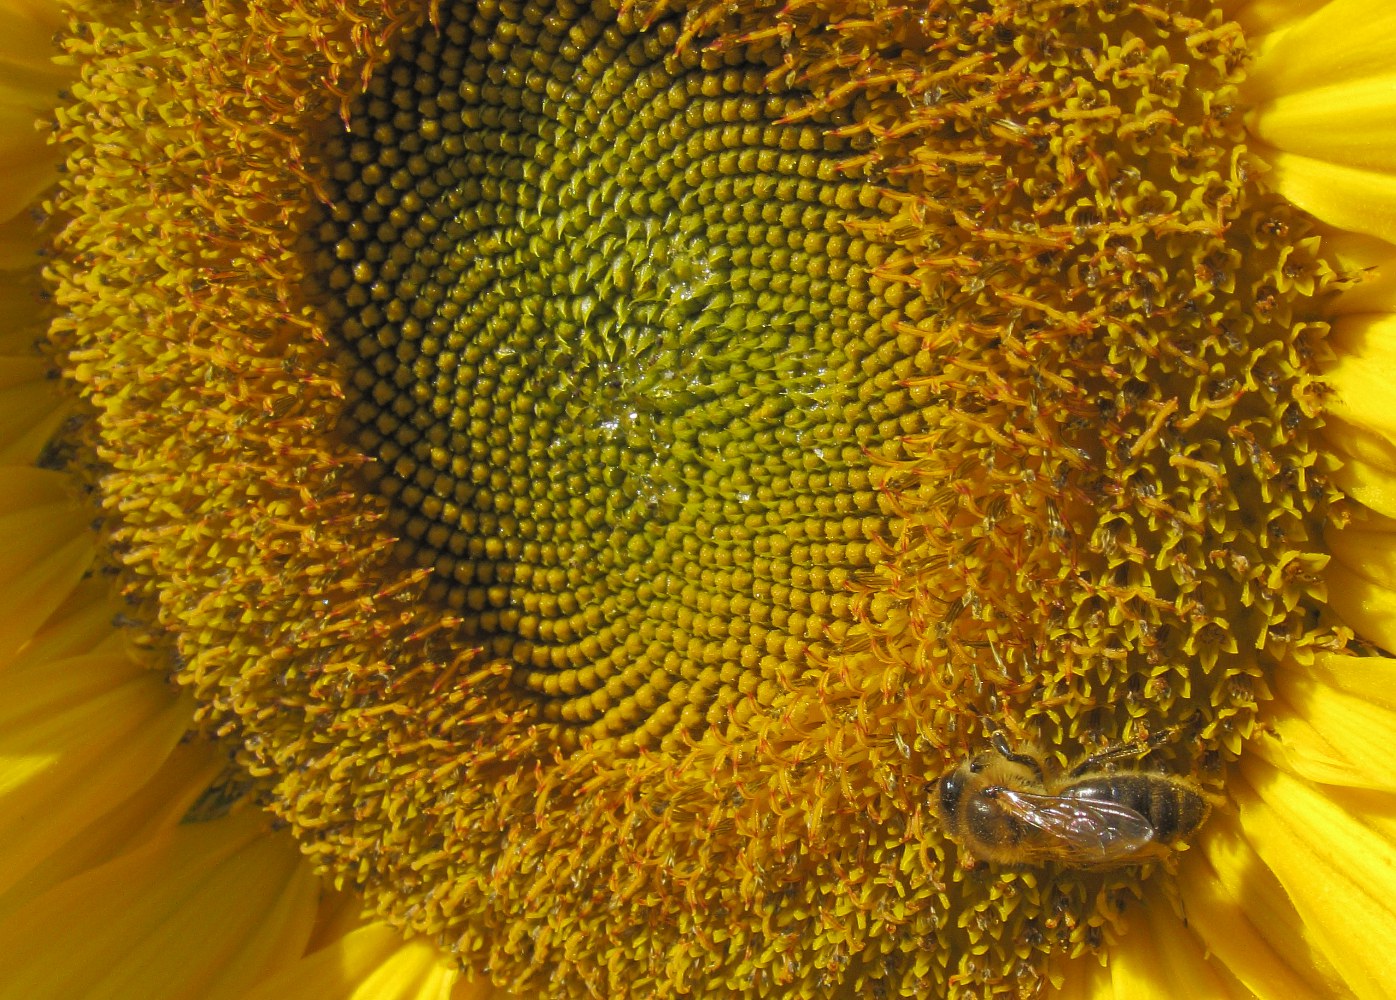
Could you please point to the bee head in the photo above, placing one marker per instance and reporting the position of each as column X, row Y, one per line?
column 951, row 790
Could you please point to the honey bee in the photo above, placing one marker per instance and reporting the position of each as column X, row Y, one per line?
column 1013, row 808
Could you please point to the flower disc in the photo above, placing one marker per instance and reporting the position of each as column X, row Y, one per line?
column 596, row 301
column 600, row 466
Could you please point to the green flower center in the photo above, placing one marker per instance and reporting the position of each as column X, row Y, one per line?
column 598, row 305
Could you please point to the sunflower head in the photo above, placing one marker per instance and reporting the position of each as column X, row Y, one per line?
column 601, row 466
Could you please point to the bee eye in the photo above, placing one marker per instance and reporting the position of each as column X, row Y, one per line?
column 977, row 765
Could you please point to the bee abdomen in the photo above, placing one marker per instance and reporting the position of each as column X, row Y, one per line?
column 1174, row 809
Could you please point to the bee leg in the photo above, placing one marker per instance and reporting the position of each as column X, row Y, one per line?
column 1135, row 750
column 1112, row 755
column 1007, row 753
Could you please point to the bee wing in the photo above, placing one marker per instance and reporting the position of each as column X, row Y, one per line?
column 1100, row 829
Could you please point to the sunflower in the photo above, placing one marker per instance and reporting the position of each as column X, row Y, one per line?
column 509, row 498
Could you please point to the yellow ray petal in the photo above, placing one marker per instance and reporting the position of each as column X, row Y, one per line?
column 1370, row 336
column 1241, row 914
column 1342, row 41
column 1338, row 870
column 48, row 547
column 31, row 408
column 1368, row 470
column 1360, row 443
column 20, row 328
column 29, row 85
column 1335, row 721
column 340, row 911
column 1352, row 123
column 1366, row 607
column 1362, row 578
column 1363, row 201
column 371, row 963
column 76, row 737
column 1373, row 486
column 201, row 914
column 147, row 811
column 1083, row 978
column 26, row 33
column 84, row 623
column 1159, row 958
column 1363, row 378
column 20, row 243
column 1373, row 261
column 1367, row 546
column 1265, row 16
column 27, row 162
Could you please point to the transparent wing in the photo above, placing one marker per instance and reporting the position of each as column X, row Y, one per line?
column 1100, row 830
